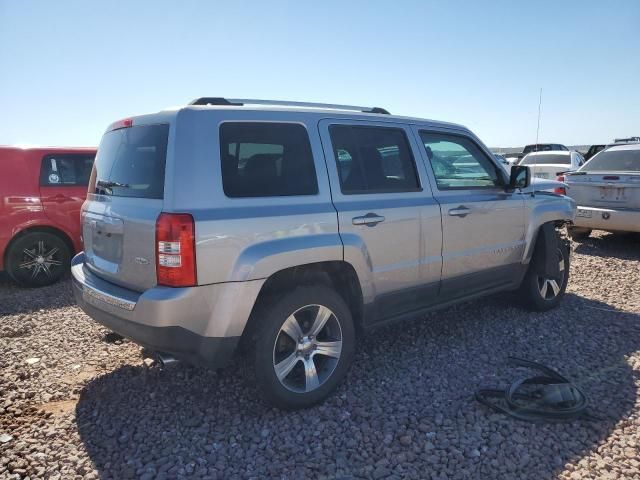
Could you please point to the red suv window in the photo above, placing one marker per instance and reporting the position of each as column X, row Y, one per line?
column 66, row 170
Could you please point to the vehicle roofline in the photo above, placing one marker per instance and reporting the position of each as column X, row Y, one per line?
column 317, row 112
column 46, row 147
column 626, row 146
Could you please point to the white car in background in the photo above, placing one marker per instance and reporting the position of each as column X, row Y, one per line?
column 512, row 158
column 550, row 164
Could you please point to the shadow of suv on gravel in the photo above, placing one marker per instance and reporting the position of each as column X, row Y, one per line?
column 296, row 228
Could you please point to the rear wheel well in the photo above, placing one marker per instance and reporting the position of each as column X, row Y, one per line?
column 338, row 275
column 52, row 230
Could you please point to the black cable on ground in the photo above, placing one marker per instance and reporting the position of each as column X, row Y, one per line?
column 548, row 397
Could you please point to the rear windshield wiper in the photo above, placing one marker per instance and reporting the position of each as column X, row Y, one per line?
column 108, row 184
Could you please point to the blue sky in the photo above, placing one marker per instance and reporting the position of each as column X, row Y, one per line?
column 71, row 68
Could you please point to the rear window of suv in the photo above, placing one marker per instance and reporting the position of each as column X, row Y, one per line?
column 543, row 147
column 131, row 162
column 266, row 160
column 548, row 159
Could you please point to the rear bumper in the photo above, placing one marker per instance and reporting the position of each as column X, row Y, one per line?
column 201, row 325
column 608, row 219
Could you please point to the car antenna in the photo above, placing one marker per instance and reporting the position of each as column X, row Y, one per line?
column 535, row 158
column 539, row 112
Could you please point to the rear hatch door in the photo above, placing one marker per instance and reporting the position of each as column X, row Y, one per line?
column 548, row 172
column 611, row 179
column 126, row 192
column 613, row 190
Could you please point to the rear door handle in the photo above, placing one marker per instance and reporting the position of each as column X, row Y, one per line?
column 461, row 211
column 59, row 198
column 370, row 220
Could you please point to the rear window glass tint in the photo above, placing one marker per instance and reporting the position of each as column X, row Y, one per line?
column 541, row 148
column 548, row 159
column 66, row 170
column 131, row 162
column 266, row 160
column 616, row 161
column 373, row 160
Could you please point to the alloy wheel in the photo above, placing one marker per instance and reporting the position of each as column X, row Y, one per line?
column 40, row 259
column 549, row 287
column 307, row 348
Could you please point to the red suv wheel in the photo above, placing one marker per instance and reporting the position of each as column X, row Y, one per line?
column 38, row 259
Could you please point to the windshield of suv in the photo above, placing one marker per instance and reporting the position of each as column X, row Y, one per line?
column 614, row 160
column 131, row 162
column 532, row 148
column 547, row 159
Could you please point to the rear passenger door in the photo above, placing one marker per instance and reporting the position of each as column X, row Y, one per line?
column 63, row 188
column 380, row 200
column 482, row 224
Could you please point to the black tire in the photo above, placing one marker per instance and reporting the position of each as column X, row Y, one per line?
column 577, row 233
column 273, row 346
column 38, row 259
column 532, row 287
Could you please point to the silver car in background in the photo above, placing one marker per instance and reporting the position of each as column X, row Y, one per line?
column 607, row 192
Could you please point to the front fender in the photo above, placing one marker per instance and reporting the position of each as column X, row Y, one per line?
column 543, row 208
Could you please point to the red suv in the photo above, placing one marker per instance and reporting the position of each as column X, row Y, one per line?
column 41, row 192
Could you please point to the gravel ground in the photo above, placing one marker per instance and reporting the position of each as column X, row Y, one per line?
column 76, row 402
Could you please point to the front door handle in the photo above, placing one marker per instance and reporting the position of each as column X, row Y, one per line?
column 461, row 211
column 370, row 220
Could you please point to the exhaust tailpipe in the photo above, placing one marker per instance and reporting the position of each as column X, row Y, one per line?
column 166, row 359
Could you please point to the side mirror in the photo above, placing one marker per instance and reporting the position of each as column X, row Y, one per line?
column 520, row 177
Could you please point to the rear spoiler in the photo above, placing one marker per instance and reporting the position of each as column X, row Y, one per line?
column 570, row 172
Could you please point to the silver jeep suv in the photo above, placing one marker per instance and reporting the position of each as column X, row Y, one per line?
column 291, row 229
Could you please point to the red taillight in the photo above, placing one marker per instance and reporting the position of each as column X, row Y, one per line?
column 176, row 250
column 560, row 190
column 124, row 123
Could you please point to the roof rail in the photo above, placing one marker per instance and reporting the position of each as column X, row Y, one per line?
column 284, row 103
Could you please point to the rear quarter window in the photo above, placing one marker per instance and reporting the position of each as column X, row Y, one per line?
column 266, row 160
